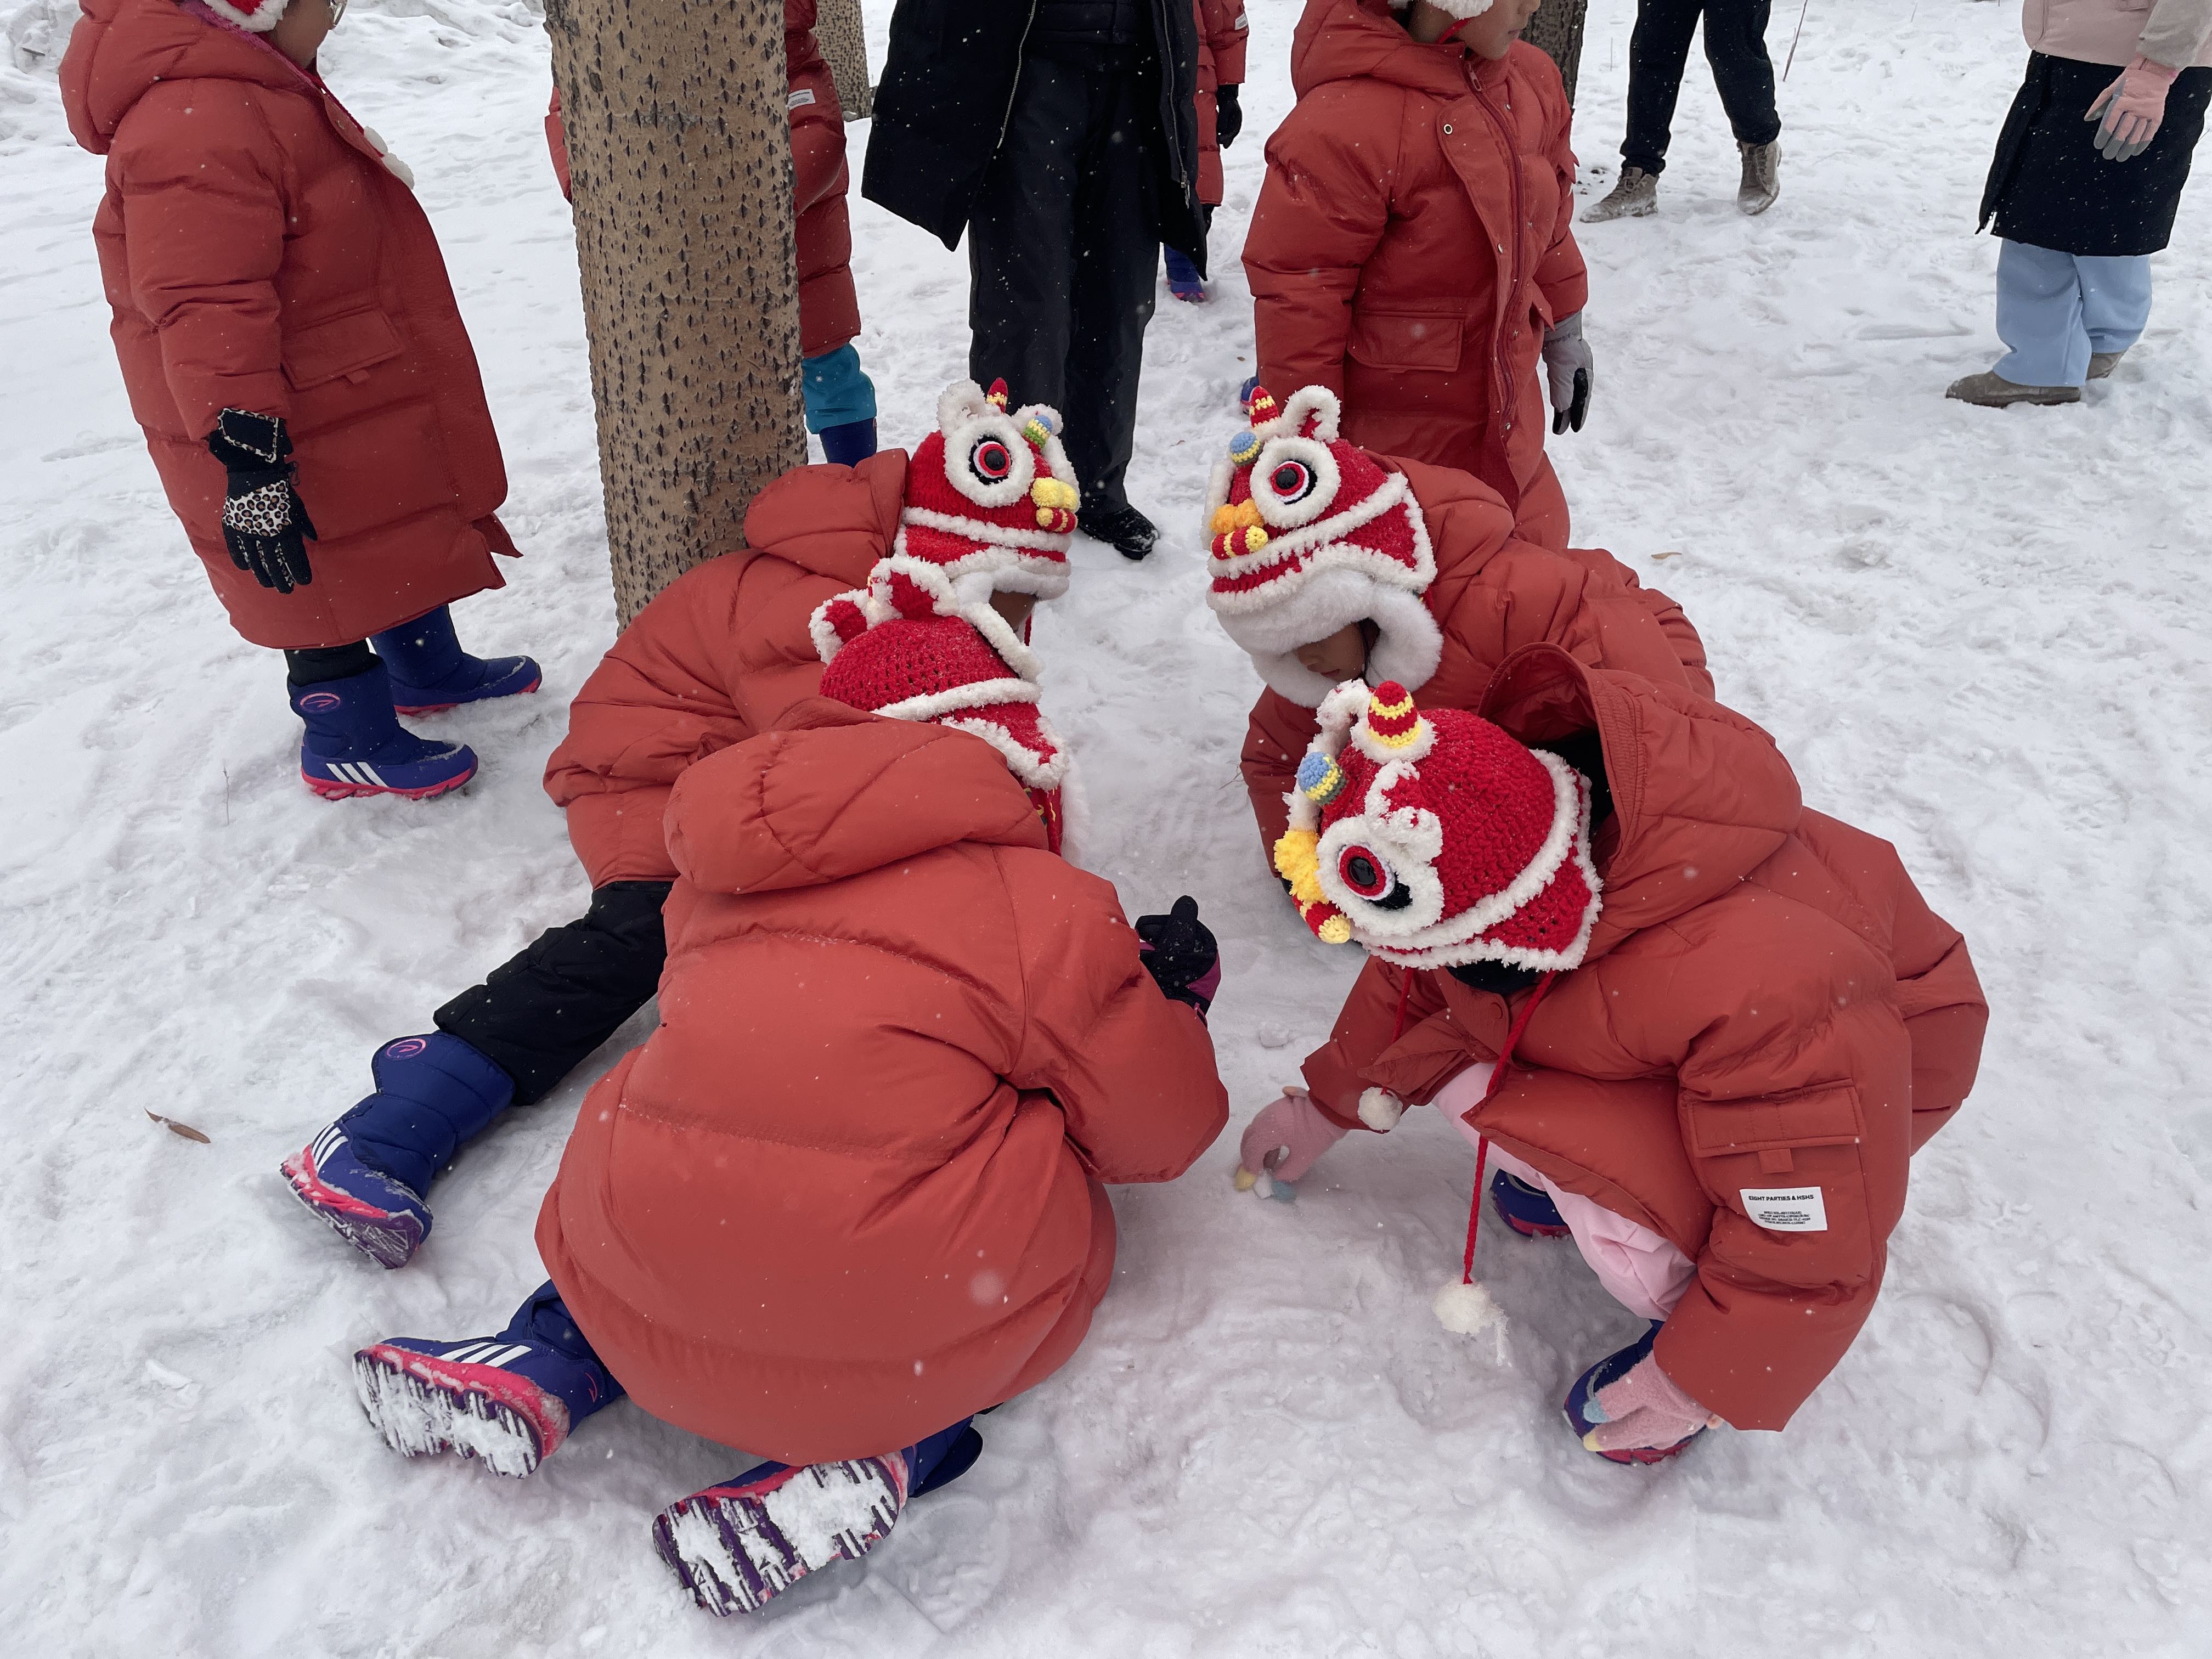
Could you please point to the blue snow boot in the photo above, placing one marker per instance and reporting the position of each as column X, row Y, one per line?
column 848, row 444
column 365, row 1175
column 355, row 746
column 510, row 1400
column 736, row 1545
column 430, row 672
column 1583, row 1413
column 1528, row 1210
column 1183, row 280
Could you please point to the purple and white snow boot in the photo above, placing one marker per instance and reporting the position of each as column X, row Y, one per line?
column 355, row 746
column 366, row 1173
column 384, row 1219
column 735, row 1546
column 1528, row 1210
column 509, row 1400
column 430, row 672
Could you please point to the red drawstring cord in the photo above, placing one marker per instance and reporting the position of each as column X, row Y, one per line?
column 1481, row 1141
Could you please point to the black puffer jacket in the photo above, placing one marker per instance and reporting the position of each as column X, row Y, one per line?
column 1073, row 26
column 948, row 87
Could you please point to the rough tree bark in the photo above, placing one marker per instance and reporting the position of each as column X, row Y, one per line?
column 838, row 26
column 1556, row 30
column 680, row 158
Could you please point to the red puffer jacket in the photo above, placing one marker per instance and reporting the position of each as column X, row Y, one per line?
column 1412, row 242
column 848, row 1193
column 1767, row 1003
column 259, row 254
column 719, row 655
column 1492, row 594
column 1222, row 29
column 829, row 306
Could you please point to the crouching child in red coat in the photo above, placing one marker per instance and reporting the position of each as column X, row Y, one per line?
column 294, row 356
column 850, row 1193
column 1697, row 1027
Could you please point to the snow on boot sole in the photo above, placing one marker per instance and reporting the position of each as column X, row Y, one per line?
column 736, row 1548
column 388, row 1237
column 423, row 1404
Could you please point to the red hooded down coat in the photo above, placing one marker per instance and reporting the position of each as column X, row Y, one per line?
column 1414, row 240
column 1492, row 594
column 829, row 306
column 718, row 656
column 259, row 254
column 1222, row 31
column 849, row 1193
column 1767, row 1002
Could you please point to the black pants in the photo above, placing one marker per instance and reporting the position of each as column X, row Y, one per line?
column 1735, row 46
column 539, row 1015
column 1064, row 249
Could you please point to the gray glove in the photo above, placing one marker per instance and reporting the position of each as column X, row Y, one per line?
column 1571, row 369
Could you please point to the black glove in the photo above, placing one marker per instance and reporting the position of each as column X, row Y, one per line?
column 1180, row 954
column 264, row 523
column 1227, row 116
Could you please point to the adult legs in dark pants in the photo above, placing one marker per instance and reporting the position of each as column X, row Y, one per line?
column 509, row 1040
column 1658, row 52
column 1064, row 251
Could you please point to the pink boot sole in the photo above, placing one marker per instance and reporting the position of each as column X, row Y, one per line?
column 331, row 789
column 441, row 707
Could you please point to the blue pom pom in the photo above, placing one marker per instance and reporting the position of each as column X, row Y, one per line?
column 1244, row 446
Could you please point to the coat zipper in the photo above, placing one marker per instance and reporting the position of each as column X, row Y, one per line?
column 1513, row 166
column 1021, row 46
column 1161, row 33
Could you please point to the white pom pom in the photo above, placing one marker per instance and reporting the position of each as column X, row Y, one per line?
column 1466, row 1308
column 1380, row 1110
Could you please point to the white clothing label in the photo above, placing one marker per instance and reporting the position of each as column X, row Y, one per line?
column 1787, row 1209
column 1240, row 22
column 804, row 96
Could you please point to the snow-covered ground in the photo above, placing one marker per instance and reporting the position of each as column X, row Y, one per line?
column 1981, row 634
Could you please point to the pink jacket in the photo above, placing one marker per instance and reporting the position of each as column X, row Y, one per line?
column 2175, row 32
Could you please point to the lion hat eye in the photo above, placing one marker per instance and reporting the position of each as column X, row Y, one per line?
column 1294, row 479
column 994, row 465
column 1367, row 874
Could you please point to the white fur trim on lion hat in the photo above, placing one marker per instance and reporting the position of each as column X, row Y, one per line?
column 1306, row 535
column 254, row 16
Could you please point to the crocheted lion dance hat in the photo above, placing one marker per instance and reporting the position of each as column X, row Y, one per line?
column 1437, row 840
column 1307, row 534
column 906, row 647
column 990, row 497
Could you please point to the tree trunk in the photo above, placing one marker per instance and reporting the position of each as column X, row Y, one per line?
column 844, row 41
column 680, row 158
column 1556, row 30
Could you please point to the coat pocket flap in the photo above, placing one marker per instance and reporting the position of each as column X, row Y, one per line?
column 1400, row 339
column 344, row 345
column 1827, row 1115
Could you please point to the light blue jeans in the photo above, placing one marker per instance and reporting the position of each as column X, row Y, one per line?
column 836, row 389
column 2054, row 309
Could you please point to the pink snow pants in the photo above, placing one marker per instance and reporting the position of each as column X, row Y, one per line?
column 1638, row 1268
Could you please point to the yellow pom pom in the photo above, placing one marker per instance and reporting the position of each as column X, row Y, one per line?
column 1248, row 512
column 1224, row 520
column 1297, row 862
column 1335, row 931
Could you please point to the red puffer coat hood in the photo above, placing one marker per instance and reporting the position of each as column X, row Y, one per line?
column 121, row 49
column 849, row 1191
column 719, row 655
